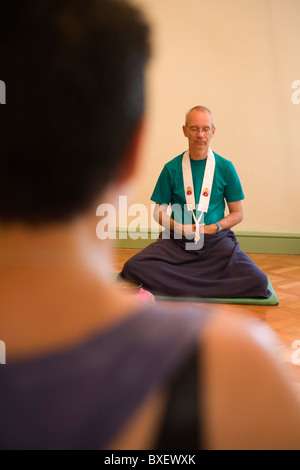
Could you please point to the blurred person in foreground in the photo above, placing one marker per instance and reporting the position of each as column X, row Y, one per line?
column 88, row 368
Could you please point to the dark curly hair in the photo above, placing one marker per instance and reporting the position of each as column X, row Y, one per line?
column 74, row 74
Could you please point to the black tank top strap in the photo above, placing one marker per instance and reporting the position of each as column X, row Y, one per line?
column 181, row 428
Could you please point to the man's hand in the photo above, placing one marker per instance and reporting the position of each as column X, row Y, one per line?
column 189, row 230
column 211, row 229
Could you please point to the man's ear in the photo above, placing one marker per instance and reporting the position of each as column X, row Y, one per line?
column 184, row 131
column 130, row 159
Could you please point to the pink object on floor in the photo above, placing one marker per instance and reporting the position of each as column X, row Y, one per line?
column 145, row 297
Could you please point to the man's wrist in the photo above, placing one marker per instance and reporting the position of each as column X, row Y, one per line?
column 219, row 227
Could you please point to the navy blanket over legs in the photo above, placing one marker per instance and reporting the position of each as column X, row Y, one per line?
column 220, row 269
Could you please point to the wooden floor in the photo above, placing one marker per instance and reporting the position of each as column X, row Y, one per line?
column 284, row 319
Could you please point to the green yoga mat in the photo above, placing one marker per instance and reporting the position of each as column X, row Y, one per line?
column 272, row 300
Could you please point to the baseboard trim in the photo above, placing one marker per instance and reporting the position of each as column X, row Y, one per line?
column 250, row 242
column 269, row 242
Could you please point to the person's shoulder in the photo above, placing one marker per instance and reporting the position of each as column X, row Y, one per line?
column 175, row 163
column 225, row 166
column 247, row 385
column 239, row 331
column 241, row 341
column 222, row 161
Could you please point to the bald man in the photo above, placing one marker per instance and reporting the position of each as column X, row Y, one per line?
column 197, row 254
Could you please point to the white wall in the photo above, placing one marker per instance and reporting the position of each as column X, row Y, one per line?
column 239, row 58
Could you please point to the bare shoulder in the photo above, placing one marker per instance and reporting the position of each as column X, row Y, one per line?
column 247, row 395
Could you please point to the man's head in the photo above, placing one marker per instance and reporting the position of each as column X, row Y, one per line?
column 199, row 129
column 74, row 72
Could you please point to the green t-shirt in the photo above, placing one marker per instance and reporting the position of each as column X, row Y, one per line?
column 169, row 189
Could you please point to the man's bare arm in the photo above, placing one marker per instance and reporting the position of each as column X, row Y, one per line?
column 162, row 218
column 235, row 216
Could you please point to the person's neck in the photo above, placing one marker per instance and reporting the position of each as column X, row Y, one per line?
column 52, row 246
column 56, row 287
column 198, row 154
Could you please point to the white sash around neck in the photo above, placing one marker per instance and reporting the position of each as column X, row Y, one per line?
column 205, row 192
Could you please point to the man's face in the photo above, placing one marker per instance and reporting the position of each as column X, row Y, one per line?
column 199, row 130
